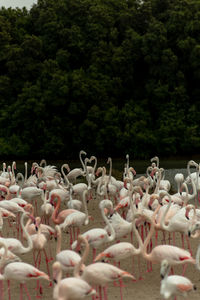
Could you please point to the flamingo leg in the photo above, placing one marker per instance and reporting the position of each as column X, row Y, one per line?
column 27, row 293
column 21, row 291
column 50, row 284
column 8, row 284
column 100, row 293
column 105, row 292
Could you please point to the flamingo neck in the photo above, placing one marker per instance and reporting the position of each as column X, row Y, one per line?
column 111, row 229
column 55, row 212
column 152, row 229
column 29, row 240
column 78, row 267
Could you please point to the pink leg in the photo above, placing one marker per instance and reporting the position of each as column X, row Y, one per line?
column 50, row 284
column 156, row 241
column 139, row 267
column 121, row 285
column 100, row 294
column 8, row 284
column 27, row 293
column 184, row 269
column 182, row 238
column 174, row 240
column 105, row 292
column 21, row 291
column 169, row 238
column 71, row 237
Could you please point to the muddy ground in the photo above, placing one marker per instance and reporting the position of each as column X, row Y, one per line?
column 148, row 288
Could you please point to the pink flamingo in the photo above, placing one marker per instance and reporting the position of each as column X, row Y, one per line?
column 15, row 245
column 99, row 273
column 70, row 288
column 99, row 236
column 58, row 218
column 173, row 254
column 174, row 284
column 22, row 272
column 77, row 219
column 67, row 258
column 39, row 242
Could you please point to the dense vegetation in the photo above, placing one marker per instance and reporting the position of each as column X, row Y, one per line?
column 109, row 76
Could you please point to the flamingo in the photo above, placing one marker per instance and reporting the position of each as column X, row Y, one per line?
column 39, row 241
column 15, row 245
column 22, row 272
column 46, row 208
column 99, row 236
column 67, row 258
column 174, row 284
column 73, row 174
column 73, row 203
column 98, row 273
column 173, row 254
column 58, row 218
column 70, row 288
column 77, row 218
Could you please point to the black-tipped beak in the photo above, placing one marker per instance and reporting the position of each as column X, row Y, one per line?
column 36, row 228
column 55, row 238
column 55, row 281
column 187, row 217
column 136, row 206
column 195, row 287
column 189, row 233
column 150, row 207
column 162, row 276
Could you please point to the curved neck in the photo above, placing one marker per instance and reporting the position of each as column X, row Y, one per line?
column 54, row 215
column 194, row 189
column 111, row 229
column 29, row 240
column 66, row 166
column 151, row 231
column 26, row 172
column 13, row 170
column 77, row 268
column 81, row 160
column 158, row 182
column 138, row 237
column 127, row 164
column 162, row 222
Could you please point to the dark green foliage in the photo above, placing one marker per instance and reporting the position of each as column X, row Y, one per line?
column 108, row 76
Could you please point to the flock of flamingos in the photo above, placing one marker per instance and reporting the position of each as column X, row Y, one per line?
column 45, row 204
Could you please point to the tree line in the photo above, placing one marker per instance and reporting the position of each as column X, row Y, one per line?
column 109, row 76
